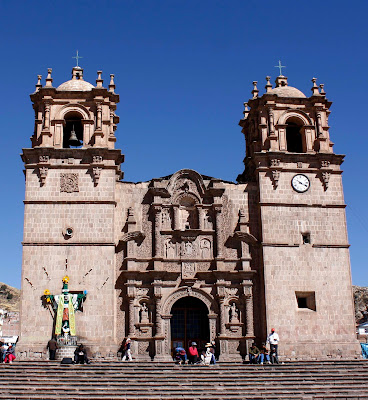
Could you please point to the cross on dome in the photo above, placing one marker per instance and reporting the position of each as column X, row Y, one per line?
column 77, row 57
column 280, row 67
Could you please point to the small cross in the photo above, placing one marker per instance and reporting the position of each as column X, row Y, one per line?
column 77, row 57
column 280, row 66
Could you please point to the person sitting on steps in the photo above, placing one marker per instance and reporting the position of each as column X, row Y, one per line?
column 80, row 355
column 253, row 354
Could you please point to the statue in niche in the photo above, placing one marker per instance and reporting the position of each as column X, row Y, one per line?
column 166, row 218
column 205, row 249
column 143, row 314
column 170, row 249
column 188, row 248
column 233, row 313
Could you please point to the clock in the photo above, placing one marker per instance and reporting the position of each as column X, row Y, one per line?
column 300, row 183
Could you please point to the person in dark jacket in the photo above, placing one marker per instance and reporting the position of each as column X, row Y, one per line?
column 52, row 346
column 80, row 355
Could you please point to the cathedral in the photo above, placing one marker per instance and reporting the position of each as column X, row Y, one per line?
column 187, row 257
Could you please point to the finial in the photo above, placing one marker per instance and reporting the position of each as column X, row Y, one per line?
column 38, row 84
column 48, row 78
column 255, row 91
column 314, row 89
column 112, row 84
column 322, row 85
column 99, row 79
column 280, row 67
column 268, row 86
column 77, row 57
column 246, row 110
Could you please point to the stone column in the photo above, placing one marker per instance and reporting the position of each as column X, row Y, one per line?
column 157, row 211
column 201, row 215
column 217, row 210
column 46, row 123
column 131, row 296
column 176, row 217
column 249, row 315
column 99, row 117
column 319, row 124
column 157, row 284
column 271, row 122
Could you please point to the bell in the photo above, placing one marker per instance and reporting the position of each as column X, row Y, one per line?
column 73, row 140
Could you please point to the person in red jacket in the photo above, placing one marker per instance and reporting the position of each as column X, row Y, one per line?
column 193, row 353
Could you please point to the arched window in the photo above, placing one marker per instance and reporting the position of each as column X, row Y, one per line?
column 295, row 140
column 73, row 130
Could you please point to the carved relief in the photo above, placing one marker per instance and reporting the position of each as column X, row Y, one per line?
column 97, row 159
column 69, row 183
column 275, row 178
column 43, row 174
column 44, row 159
column 205, row 249
column 188, row 270
column 233, row 346
column 96, row 174
column 143, row 347
column 326, row 178
column 170, row 249
column 142, row 292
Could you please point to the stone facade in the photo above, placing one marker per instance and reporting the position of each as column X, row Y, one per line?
column 259, row 253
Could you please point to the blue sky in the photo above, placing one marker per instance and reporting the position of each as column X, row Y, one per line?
column 183, row 69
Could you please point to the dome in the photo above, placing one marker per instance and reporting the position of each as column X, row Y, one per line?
column 76, row 85
column 287, row 91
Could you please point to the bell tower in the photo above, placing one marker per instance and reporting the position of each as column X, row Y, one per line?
column 304, row 264
column 71, row 172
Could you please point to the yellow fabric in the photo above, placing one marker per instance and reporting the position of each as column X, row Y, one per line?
column 59, row 316
column 71, row 316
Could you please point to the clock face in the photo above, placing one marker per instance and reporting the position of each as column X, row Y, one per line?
column 300, row 183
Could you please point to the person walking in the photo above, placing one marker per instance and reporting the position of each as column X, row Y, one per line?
column 52, row 346
column 127, row 351
column 273, row 339
column 193, row 353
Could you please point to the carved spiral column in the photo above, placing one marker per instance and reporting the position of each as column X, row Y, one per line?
column 217, row 210
column 112, row 122
column 157, row 210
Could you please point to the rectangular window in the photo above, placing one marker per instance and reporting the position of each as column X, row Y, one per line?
column 306, row 300
column 306, row 238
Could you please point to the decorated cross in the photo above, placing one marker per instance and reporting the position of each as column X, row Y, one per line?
column 65, row 306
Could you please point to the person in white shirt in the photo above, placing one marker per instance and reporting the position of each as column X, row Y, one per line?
column 273, row 339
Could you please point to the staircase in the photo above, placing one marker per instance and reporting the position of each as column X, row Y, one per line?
column 342, row 380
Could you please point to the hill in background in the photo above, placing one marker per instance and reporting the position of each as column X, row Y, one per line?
column 9, row 297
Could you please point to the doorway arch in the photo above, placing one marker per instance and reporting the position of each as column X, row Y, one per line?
column 189, row 322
